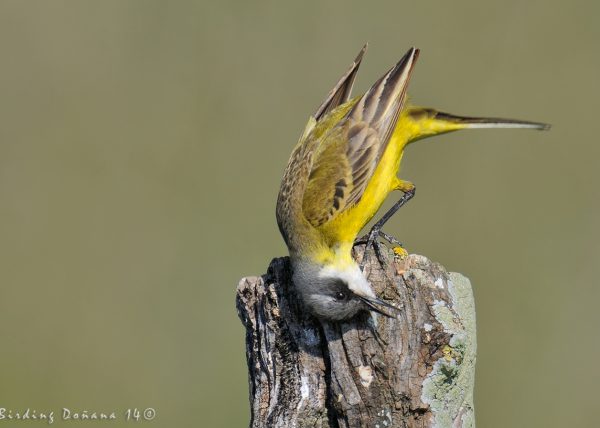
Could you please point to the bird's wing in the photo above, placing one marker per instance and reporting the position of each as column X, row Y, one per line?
column 342, row 90
column 348, row 154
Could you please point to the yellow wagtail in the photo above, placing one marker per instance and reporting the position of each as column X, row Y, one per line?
column 339, row 174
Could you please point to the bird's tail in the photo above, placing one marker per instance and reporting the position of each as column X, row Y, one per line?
column 426, row 122
column 489, row 122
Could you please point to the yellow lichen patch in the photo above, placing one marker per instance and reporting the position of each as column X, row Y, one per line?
column 400, row 252
column 451, row 354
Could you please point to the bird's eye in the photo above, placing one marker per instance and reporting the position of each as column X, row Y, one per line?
column 340, row 295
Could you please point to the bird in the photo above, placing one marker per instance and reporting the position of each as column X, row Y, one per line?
column 343, row 167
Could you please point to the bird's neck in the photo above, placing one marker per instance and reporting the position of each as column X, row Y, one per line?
column 339, row 256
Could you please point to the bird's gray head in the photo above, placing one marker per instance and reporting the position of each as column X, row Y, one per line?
column 335, row 294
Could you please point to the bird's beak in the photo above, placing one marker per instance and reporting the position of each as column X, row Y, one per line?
column 375, row 305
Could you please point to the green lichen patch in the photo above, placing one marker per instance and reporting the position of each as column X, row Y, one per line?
column 448, row 389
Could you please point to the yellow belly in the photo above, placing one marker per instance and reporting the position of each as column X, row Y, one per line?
column 339, row 234
column 343, row 230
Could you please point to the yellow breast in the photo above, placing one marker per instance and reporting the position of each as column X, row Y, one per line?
column 343, row 230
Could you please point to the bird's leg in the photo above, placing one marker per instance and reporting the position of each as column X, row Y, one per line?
column 371, row 239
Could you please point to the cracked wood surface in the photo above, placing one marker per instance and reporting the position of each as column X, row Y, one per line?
column 416, row 370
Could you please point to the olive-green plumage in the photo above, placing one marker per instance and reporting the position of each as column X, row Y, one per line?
column 341, row 171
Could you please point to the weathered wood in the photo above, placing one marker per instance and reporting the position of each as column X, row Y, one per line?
column 413, row 371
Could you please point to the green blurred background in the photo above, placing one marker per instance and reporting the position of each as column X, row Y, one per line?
column 141, row 148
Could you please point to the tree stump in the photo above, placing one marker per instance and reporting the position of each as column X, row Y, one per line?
column 416, row 370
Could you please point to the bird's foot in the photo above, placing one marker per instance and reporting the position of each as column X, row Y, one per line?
column 371, row 239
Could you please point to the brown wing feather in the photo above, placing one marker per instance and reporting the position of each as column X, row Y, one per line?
column 350, row 152
column 329, row 182
column 341, row 92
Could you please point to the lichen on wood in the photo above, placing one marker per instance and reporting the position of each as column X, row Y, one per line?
column 416, row 370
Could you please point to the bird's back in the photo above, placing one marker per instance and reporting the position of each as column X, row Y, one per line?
column 335, row 161
column 297, row 230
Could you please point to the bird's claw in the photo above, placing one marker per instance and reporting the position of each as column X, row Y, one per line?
column 371, row 240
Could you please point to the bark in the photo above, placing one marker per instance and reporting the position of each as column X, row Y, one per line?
column 416, row 370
